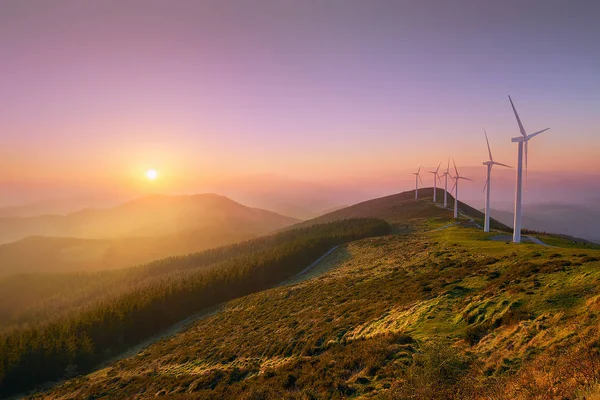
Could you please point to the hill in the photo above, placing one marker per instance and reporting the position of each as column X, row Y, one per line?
column 441, row 312
column 52, row 323
column 133, row 233
column 402, row 209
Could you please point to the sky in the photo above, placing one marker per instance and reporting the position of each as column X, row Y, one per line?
column 347, row 93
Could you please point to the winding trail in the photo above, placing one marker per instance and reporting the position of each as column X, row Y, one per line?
column 445, row 226
column 508, row 238
column 311, row 266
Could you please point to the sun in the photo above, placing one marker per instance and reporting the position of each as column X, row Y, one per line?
column 151, row 174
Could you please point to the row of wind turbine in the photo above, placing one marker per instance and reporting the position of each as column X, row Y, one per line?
column 523, row 142
column 436, row 177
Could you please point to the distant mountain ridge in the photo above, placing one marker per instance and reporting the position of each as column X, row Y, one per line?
column 150, row 216
column 135, row 232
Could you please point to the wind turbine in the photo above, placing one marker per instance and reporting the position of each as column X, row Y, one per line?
column 446, row 174
column 417, row 179
column 435, row 178
column 524, row 138
column 456, row 179
column 490, row 163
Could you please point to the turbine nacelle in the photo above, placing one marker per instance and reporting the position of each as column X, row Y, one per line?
column 528, row 137
column 495, row 163
column 491, row 161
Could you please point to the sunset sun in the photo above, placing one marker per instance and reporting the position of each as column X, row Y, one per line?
column 151, row 174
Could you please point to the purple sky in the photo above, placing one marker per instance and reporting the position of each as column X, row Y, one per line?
column 99, row 91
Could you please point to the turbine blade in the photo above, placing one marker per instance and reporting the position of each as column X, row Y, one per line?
column 488, row 144
column 466, row 179
column 485, row 186
column 438, row 168
column 419, row 170
column 518, row 119
column 455, row 169
column 448, row 167
column 503, row 165
column 452, row 190
column 537, row 133
column 420, row 180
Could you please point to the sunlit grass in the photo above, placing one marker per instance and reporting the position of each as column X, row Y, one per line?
column 501, row 305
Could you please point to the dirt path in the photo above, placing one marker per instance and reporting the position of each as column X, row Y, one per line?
column 506, row 238
column 445, row 226
column 538, row 241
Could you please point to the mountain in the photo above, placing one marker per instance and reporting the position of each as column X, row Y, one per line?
column 435, row 311
column 133, row 233
column 155, row 215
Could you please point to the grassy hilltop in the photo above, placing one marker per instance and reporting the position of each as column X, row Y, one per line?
column 424, row 313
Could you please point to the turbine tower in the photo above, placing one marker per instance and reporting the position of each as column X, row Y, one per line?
column 446, row 174
column 456, row 179
column 524, row 138
column 435, row 178
column 417, row 179
column 490, row 163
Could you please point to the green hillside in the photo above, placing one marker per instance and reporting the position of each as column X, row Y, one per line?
column 423, row 313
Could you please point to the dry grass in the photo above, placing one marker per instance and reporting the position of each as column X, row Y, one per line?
column 439, row 315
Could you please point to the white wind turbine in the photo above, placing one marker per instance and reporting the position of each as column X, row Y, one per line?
column 456, row 179
column 524, row 138
column 490, row 163
column 417, row 179
column 435, row 178
column 446, row 175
